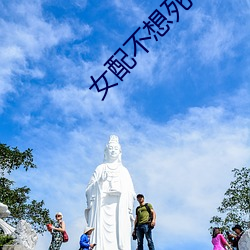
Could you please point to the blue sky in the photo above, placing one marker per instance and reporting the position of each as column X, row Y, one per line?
column 182, row 114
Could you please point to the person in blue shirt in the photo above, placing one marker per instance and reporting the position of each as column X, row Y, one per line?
column 84, row 240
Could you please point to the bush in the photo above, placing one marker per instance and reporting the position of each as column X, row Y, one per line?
column 6, row 240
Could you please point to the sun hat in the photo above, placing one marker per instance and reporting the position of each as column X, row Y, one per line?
column 87, row 229
column 59, row 213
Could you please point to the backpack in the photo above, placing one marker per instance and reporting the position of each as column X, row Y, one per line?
column 149, row 212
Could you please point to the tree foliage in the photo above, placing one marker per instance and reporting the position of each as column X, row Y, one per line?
column 235, row 207
column 17, row 199
column 12, row 159
column 6, row 239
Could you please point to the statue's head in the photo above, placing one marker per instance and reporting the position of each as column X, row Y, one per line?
column 4, row 211
column 113, row 150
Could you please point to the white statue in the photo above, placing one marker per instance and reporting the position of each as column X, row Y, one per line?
column 244, row 242
column 25, row 235
column 110, row 197
column 4, row 212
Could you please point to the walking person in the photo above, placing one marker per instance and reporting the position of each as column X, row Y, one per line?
column 56, row 231
column 144, row 223
column 219, row 241
column 85, row 239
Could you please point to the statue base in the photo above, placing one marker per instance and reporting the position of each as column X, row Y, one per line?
column 12, row 247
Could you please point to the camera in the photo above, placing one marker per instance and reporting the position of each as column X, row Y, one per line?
column 134, row 235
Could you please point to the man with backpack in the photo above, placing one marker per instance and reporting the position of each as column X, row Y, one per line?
column 144, row 223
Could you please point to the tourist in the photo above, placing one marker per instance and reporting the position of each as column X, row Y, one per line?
column 218, row 240
column 56, row 231
column 85, row 239
column 143, row 224
column 239, row 231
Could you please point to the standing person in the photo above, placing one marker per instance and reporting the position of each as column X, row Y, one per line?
column 142, row 226
column 218, row 240
column 231, row 239
column 56, row 231
column 85, row 239
column 110, row 198
column 239, row 231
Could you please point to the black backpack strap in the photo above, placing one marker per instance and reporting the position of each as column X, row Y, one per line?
column 136, row 211
column 148, row 208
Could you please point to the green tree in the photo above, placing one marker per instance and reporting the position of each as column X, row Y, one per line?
column 17, row 199
column 235, row 207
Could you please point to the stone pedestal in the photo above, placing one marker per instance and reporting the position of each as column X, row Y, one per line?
column 13, row 247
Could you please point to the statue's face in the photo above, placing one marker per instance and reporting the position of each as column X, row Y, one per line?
column 114, row 150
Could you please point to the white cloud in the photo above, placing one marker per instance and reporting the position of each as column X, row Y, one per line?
column 130, row 11
column 217, row 42
column 85, row 103
column 240, row 101
column 80, row 3
column 32, row 33
column 216, row 36
column 24, row 40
